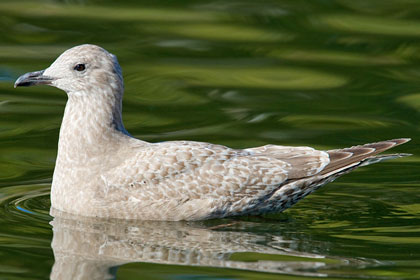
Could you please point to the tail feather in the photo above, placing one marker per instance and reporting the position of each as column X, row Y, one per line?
column 362, row 155
column 342, row 161
column 380, row 158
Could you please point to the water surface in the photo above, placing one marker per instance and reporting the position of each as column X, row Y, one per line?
column 327, row 74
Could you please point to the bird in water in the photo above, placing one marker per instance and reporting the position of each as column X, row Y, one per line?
column 102, row 171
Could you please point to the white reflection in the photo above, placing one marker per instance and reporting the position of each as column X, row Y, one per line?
column 89, row 248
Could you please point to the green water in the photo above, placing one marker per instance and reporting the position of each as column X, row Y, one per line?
column 327, row 74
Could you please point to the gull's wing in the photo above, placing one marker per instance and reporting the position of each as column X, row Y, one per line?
column 196, row 170
column 224, row 180
column 303, row 161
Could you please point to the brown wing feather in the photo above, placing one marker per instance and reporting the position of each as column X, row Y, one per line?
column 342, row 161
column 342, row 158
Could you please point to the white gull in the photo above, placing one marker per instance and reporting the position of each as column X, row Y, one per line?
column 102, row 171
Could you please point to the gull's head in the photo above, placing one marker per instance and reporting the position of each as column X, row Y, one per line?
column 79, row 70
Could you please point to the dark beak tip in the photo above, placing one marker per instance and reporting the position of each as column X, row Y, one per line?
column 18, row 82
column 32, row 78
column 19, row 85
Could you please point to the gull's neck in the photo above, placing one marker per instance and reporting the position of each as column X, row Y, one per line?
column 92, row 126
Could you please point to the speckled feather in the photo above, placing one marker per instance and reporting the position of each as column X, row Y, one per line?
column 103, row 171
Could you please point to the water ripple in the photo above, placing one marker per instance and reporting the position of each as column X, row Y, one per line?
column 29, row 203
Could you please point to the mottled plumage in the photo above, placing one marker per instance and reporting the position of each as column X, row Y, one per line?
column 103, row 171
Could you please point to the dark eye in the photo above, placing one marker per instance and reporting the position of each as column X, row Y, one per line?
column 79, row 67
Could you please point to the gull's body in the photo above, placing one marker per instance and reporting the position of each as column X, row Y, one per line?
column 103, row 171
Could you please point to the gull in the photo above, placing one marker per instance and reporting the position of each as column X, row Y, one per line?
column 102, row 171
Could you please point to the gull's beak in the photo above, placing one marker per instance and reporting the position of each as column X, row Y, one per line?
column 33, row 79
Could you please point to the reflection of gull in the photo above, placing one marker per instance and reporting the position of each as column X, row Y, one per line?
column 87, row 248
column 102, row 171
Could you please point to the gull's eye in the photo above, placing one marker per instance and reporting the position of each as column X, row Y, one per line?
column 79, row 67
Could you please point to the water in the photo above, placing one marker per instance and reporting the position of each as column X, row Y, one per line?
column 327, row 74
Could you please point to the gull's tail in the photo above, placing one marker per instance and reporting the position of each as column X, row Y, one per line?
column 342, row 160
